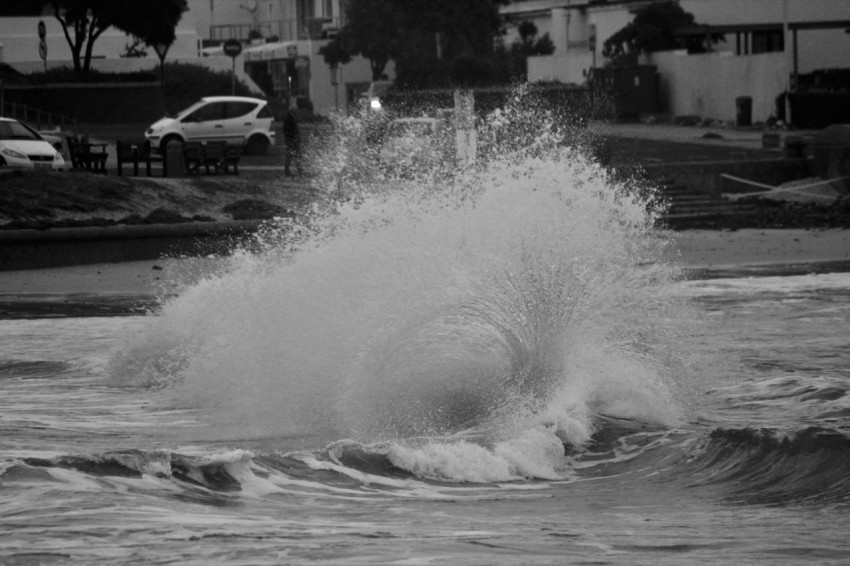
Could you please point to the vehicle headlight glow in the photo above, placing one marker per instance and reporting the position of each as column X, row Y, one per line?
column 375, row 103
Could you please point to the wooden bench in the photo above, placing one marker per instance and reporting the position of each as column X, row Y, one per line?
column 87, row 156
column 215, row 157
column 136, row 153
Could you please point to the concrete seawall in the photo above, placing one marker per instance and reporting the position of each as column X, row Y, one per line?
column 58, row 247
column 706, row 177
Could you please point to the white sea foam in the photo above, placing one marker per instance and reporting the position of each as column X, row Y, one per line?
column 520, row 297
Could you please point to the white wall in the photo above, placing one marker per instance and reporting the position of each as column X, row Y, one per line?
column 817, row 49
column 707, row 85
column 571, row 68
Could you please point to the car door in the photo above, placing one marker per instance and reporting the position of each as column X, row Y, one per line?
column 239, row 121
column 207, row 123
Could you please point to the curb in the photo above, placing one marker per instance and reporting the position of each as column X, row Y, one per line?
column 61, row 247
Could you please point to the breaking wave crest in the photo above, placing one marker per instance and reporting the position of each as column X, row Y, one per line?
column 477, row 318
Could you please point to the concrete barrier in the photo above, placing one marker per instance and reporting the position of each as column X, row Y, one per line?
column 59, row 247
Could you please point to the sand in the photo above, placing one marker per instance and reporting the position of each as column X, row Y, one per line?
column 698, row 249
column 716, row 249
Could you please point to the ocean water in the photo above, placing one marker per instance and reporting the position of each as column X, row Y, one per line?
column 495, row 364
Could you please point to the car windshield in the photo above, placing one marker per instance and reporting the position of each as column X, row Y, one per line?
column 16, row 131
column 410, row 129
column 186, row 111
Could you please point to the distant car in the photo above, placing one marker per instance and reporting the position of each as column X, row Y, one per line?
column 21, row 146
column 371, row 98
column 413, row 143
column 238, row 120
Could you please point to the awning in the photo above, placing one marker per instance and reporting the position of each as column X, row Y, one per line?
column 270, row 51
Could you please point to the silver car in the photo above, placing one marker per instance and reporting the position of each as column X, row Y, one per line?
column 21, row 146
column 238, row 120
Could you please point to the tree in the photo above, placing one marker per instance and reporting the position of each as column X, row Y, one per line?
column 83, row 21
column 527, row 45
column 463, row 27
column 423, row 37
column 451, row 42
column 652, row 29
column 372, row 31
column 335, row 53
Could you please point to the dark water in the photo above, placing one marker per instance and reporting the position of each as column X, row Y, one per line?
column 500, row 367
column 93, row 473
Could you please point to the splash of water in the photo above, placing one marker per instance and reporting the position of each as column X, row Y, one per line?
column 526, row 292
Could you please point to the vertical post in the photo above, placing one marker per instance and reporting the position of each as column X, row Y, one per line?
column 232, row 48
column 233, row 76
column 161, row 51
column 289, row 91
column 591, row 44
column 335, row 82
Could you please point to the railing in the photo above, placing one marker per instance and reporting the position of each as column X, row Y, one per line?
column 40, row 119
column 281, row 30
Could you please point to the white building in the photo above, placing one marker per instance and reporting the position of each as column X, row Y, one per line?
column 280, row 58
column 768, row 43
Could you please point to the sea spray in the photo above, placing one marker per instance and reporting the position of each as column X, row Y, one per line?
column 526, row 292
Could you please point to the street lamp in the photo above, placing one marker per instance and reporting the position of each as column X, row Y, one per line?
column 161, row 49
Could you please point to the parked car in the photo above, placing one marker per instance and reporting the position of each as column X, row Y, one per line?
column 238, row 120
column 21, row 146
column 413, row 143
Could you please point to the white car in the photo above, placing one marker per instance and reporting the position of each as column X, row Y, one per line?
column 238, row 120
column 21, row 146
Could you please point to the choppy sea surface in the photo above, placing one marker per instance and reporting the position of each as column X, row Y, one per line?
column 504, row 365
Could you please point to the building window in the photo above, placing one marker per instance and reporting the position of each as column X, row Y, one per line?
column 305, row 9
column 768, row 41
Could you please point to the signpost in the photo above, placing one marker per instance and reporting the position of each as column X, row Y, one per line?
column 232, row 48
column 42, row 44
column 161, row 51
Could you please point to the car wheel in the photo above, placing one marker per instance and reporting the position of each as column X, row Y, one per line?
column 168, row 140
column 2, row 162
column 257, row 145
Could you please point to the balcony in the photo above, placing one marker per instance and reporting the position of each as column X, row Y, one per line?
column 281, row 30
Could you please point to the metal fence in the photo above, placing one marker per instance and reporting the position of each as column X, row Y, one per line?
column 35, row 117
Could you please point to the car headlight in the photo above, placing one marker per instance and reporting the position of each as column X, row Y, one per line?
column 12, row 153
column 58, row 157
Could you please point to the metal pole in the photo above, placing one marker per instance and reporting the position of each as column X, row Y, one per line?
column 233, row 77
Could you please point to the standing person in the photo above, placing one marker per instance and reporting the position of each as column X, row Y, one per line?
column 292, row 143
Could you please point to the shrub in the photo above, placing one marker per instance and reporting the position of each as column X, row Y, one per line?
column 185, row 83
column 67, row 75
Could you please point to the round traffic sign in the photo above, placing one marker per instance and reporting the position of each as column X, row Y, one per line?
column 42, row 49
column 232, row 47
column 42, row 29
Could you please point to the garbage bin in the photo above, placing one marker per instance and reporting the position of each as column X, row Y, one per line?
column 174, row 164
column 744, row 114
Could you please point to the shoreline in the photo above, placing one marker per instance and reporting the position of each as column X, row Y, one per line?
column 700, row 251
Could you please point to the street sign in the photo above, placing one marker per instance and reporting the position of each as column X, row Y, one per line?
column 42, row 50
column 232, row 48
column 42, row 29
